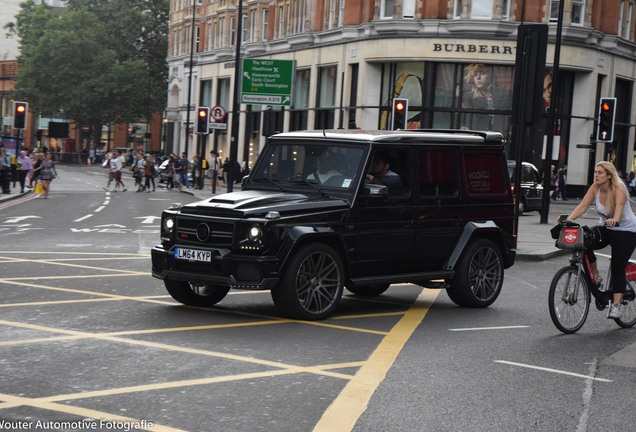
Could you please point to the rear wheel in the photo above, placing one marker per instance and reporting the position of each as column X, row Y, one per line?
column 568, row 304
column 196, row 294
column 478, row 276
column 312, row 283
column 369, row 290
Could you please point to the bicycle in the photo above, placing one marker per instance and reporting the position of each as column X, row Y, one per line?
column 571, row 286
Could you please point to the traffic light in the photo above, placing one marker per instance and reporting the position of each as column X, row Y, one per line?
column 20, row 114
column 398, row 117
column 203, row 120
column 606, row 116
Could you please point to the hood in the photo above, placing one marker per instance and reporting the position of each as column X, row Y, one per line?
column 258, row 203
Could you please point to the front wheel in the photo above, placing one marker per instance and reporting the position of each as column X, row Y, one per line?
column 569, row 300
column 312, row 283
column 479, row 275
column 193, row 294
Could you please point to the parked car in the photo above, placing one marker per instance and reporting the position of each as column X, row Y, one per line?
column 326, row 210
column 531, row 193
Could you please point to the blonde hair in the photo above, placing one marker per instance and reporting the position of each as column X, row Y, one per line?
column 471, row 71
column 614, row 182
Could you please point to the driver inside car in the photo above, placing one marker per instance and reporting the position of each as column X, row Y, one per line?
column 324, row 169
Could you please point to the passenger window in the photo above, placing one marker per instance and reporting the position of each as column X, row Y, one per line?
column 484, row 174
column 436, row 172
column 389, row 167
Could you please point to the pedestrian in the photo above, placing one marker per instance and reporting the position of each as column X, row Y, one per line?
column 213, row 172
column 150, row 171
column 196, row 172
column 37, row 160
column 110, row 164
column 139, row 168
column 24, row 166
column 175, row 171
column 120, row 162
column 183, row 171
column 205, row 166
column 236, row 172
column 5, row 165
column 226, row 170
column 563, row 176
column 48, row 173
column 554, row 182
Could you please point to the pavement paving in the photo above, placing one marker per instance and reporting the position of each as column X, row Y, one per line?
column 534, row 242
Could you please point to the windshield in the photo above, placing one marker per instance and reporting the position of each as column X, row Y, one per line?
column 329, row 167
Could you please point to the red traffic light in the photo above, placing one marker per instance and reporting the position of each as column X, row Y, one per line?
column 20, row 114
column 605, row 106
column 399, row 106
column 203, row 113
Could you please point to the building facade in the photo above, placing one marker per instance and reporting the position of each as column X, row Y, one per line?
column 454, row 60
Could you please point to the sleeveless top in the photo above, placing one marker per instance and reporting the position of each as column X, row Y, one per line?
column 627, row 221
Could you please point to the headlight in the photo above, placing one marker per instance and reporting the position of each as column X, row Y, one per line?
column 168, row 224
column 255, row 233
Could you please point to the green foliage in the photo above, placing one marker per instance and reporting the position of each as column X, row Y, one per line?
column 96, row 61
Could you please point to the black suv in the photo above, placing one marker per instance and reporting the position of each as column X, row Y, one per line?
column 325, row 210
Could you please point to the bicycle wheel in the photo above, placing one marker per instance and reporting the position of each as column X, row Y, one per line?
column 568, row 306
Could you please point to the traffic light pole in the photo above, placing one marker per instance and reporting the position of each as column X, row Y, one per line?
column 236, row 103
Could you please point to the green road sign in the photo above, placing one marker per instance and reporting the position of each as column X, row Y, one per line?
column 267, row 82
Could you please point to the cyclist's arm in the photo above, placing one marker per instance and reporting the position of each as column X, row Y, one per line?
column 586, row 202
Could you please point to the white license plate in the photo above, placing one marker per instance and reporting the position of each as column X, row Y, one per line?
column 192, row 254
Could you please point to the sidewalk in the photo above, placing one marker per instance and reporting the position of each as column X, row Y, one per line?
column 534, row 241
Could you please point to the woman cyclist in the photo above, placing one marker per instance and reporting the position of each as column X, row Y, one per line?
column 609, row 195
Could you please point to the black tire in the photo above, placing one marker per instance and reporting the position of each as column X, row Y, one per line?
column 478, row 275
column 568, row 311
column 369, row 290
column 312, row 283
column 193, row 294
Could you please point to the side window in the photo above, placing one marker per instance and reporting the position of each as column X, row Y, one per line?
column 484, row 174
column 437, row 172
column 390, row 167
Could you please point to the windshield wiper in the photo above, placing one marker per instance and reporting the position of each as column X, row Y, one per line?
column 267, row 179
column 312, row 184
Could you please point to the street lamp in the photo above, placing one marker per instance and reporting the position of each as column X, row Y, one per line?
column 187, row 135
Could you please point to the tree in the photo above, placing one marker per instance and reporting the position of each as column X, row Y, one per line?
column 94, row 62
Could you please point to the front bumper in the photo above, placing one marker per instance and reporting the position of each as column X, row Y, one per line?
column 225, row 269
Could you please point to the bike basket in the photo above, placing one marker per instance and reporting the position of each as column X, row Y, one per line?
column 570, row 238
column 630, row 272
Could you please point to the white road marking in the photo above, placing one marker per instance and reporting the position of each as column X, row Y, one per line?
column 83, row 218
column 489, row 328
column 554, row 371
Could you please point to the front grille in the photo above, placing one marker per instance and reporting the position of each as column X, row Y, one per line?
column 204, row 231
